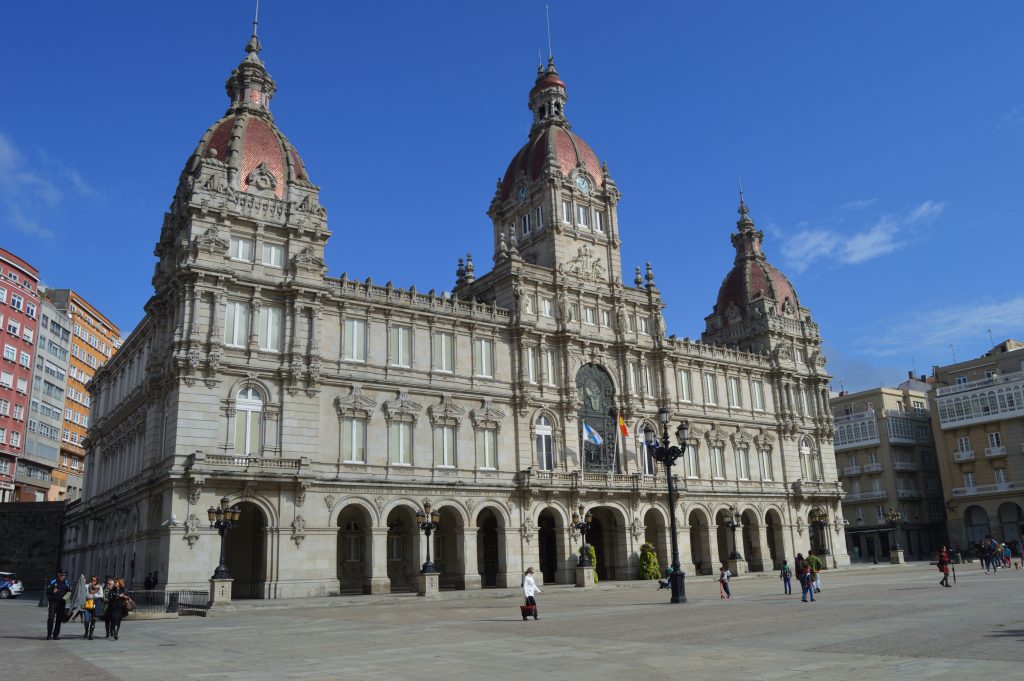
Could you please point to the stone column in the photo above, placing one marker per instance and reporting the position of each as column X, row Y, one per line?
column 508, row 559
column 759, row 541
column 566, row 563
column 377, row 581
column 467, row 561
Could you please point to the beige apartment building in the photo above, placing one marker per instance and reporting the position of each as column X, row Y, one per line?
column 979, row 432
column 885, row 456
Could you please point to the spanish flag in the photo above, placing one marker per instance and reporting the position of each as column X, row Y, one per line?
column 622, row 428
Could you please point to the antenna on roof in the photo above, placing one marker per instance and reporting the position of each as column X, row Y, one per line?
column 991, row 342
column 547, row 16
column 256, row 18
column 952, row 352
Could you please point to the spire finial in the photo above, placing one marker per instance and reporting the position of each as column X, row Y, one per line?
column 256, row 18
column 743, row 205
column 547, row 17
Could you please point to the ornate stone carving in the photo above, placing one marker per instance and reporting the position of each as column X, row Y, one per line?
column 298, row 530
column 300, row 493
column 195, row 490
column 527, row 530
column 307, row 259
column 585, row 265
column 446, row 412
column 402, row 407
column 248, row 490
column 329, row 501
column 211, row 242
column 192, row 529
column 355, row 404
column 379, row 503
column 800, row 526
column 637, row 529
column 262, row 180
column 488, row 416
column 194, row 359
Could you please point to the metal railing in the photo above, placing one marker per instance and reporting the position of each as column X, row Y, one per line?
column 158, row 601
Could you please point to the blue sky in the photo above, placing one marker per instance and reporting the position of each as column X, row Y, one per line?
column 878, row 143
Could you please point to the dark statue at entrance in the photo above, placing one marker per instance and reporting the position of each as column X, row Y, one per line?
column 598, row 411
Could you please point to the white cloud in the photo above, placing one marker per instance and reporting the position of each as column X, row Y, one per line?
column 888, row 234
column 938, row 328
column 27, row 195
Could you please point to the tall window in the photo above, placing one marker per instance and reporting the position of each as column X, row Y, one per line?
column 544, row 442
column 757, row 395
column 241, row 249
column 248, row 422
column 963, row 444
column 566, row 211
column 400, row 442
column 396, row 540
column 718, row 462
column 236, row 323
column 648, row 381
column 354, row 349
column 631, row 377
column 531, row 365
column 483, row 357
column 550, row 367
column 444, row 352
column 401, row 346
column 353, row 542
column 766, row 465
column 647, row 453
column 583, row 216
column 273, row 255
column 995, row 439
column 270, row 328
column 743, row 463
column 968, row 479
column 598, row 221
column 710, row 389
column 525, row 222
column 691, row 462
column 684, row 386
column 444, row 446
column 733, row 390
column 353, row 440
column 486, row 448
column 1000, row 475
column 538, row 217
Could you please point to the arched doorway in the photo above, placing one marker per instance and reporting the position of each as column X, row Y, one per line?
column 547, row 542
column 700, row 543
column 607, row 536
column 403, row 549
column 817, row 531
column 752, row 549
column 976, row 525
column 773, row 528
column 445, row 548
column 487, row 547
column 656, row 534
column 1011, row 522
column 246, row 553
column 354, row 549
column 725, row 537
column 598, row 411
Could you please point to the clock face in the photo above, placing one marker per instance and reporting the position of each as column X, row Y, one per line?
column 583, row 184
column 521, row 193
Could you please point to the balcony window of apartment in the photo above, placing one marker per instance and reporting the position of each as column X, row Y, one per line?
column 400, row 442
column 963, row 444
column 684, row 386
column 567, row 211
column 10, row 353
column 766, row 465
column 995, row 440
column 968, row 478
column 248, row 422
column 743, row 463
column 486, row 448
column 544, row 442
column 710, row 389
column 872, row 457
column 483, row 357
column 444, row 446
column 271, row 328
column 919, row 407
column 17, row 302
column 718, row 462
column 401, row 346
column 550, row 368
column 961, row 380
column 353, row 439
column 273, row 255
column 444, row 352
column 855, row 487
column 354, row 345
column 876, row 484
column 879, row 512
column 236, row 323
column 241, row 249
column 757, row 395
column 733, row 392
column 1000, row 475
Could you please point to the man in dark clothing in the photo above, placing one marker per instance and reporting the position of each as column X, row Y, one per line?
column 56, row 589
column 149, row 582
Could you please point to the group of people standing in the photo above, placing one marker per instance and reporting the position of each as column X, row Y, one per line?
column 91, row 600
column 808, row 573
column 995, row 554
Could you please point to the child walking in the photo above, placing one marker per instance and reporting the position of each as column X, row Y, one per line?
column 723, row 579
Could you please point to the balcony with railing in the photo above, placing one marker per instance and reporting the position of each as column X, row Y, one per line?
column 996, row 488
column 852, row 470
column 967, row 455
column 873, row 495
column 908, row 493
column 988, row 399
column 872, row 468
column 995, row 452
column 855, row 430
column 908, row 466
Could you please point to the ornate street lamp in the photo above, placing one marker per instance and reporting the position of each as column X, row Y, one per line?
column 429, row 521
column 664, row 452
column 732, row 521
column 581, row 523
column 223, row 518
column 819, row 523
column 894, row 519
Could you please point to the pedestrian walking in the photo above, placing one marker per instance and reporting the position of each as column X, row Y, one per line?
column 108, row 584
column 148, row 583
column 806, row 583
column 93, row 595
column 530, row 591
column 723, row 580
column 786, row 575
column 116, row 605
column 56, row 589
column 943, row 564
column 815, row 564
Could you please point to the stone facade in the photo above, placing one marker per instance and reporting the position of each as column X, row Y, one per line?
column 331, row 409
column 31, row 541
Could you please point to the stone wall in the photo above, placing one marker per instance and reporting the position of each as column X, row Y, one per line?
column 30, row 540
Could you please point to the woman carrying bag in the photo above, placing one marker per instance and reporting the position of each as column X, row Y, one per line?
column 93, row 597
column 530, row 590
column 117, row 603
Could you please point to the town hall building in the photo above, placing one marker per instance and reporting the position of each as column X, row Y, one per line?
column 330, row 409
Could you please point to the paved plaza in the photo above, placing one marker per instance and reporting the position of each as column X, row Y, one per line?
column 886, row 622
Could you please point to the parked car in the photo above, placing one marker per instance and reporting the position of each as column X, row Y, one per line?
column 10, row 585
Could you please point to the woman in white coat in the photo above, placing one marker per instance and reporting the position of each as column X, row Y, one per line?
column 530, row 590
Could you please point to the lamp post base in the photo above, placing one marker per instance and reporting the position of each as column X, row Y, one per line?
column 220, row 593
column 896, row 557
column 677, row 582
column 737, row 566
column 584, row 576
column 429, row 584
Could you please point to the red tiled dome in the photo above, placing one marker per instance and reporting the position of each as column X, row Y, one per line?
column 549, row 80
column 569, row 149
column 751, row 279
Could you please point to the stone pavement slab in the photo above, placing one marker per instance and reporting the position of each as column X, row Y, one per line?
column 893, row 622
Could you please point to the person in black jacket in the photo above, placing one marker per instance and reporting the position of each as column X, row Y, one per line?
column 56, row 590
column 116, row 596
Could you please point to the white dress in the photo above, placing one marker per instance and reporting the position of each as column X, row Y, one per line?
column 530, row 587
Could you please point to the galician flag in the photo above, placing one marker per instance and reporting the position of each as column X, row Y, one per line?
column 623, row 428
column 590, row 435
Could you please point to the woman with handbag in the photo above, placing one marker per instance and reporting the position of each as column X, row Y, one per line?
column 93, row 595
column 116, row 605
column 530, row 590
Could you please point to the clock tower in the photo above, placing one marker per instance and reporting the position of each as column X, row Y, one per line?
column 556, row 204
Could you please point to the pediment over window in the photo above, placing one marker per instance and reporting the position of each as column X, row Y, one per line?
column 446, row 412
column 488, row 416
column 403, row 408
column 355, row 404
column 741, row 439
